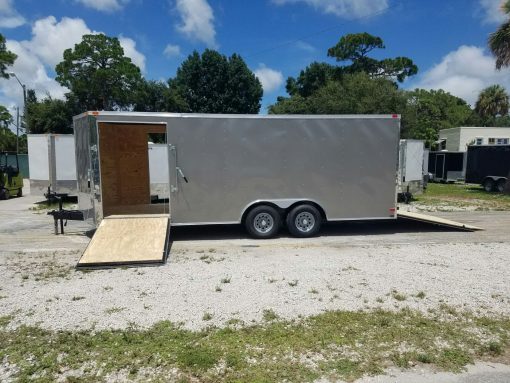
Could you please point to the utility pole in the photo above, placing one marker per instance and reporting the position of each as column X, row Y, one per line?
column 17, row 130
column 23, row 86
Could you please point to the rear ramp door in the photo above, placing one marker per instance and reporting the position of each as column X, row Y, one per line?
column 128, row 240
column 436, row 221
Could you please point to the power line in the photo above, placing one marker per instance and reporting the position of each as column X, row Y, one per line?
column 304, row 37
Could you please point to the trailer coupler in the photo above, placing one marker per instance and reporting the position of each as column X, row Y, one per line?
column 62, row 214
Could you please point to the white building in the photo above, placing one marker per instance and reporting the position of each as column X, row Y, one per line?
column 458, row 139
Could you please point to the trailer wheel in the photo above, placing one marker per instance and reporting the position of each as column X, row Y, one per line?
column 304, row 221
column 263, row 222
column 500, row 186
column 488, row 185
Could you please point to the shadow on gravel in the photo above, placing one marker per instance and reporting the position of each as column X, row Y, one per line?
column 347, row 228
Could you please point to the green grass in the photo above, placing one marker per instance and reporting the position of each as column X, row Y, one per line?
column 348, row 345
column 463, row 195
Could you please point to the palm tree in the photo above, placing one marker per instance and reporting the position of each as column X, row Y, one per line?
column 499, row 41
column 492, row 101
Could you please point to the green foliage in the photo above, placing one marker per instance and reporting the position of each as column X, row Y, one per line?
column 156, row 96
column 313, row 77
column 355, row 48
column 5, row 116
column 213, row 83
column 98, row 74
column 428, row 111
column 492, row 101
column 49, row 116
column 352, row 94
column 7, row 58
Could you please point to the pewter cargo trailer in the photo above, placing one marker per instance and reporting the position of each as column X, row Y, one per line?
column 262, row 171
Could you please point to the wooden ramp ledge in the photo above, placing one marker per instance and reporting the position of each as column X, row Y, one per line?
column 127, row 240
column 436, row 221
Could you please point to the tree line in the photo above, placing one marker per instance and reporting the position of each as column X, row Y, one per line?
column 100, row 77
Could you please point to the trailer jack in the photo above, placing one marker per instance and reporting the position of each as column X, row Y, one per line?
column 63, row 214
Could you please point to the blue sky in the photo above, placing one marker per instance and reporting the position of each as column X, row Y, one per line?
column 277, row 38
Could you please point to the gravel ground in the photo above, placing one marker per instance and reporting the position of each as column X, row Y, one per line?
column 43, row 288
column 218, row 271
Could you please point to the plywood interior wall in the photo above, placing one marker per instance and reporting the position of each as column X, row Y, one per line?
column 124, row 163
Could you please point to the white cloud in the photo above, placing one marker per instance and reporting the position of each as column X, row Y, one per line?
column 50, row 38
column 197, row 21
column 172, row 50
column 129, row 46
column 104, row 5
column 9, row 17
column 491, row 11
column 343, row 8
column 271, row 79
column 37, row 57
column 464, row 73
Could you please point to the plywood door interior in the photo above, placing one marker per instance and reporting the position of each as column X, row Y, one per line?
column 124, row 166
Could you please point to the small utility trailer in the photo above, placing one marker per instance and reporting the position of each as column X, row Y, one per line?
column 447, row 166
column 51, row 163
column 265, row 172
column 489, row 166
column 412, row 178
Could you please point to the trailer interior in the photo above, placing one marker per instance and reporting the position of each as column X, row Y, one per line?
column 135, row 228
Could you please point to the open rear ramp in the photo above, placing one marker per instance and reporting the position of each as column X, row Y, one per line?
column 436, row 221
column 127, row 240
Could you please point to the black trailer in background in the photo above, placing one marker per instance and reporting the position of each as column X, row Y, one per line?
column 488, row 165
column 446, row 166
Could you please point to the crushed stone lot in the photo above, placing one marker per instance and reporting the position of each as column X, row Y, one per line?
column 214, row 275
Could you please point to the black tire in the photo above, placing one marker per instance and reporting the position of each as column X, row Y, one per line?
column 304, row 221
column 3, row 194
column 263, row 222
column 500, row 186
column 488, row 185
column 20, row 192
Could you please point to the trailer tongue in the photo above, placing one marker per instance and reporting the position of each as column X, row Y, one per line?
column 128, row 239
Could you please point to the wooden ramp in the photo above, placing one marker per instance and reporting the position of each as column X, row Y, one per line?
column 128, row 240
column 436, row 221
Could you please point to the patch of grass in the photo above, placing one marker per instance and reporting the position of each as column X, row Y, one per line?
column 398, row 296
column 379, row 300
column 272, row 280
column 420, row 295
column 218, row 289
column 269, row 315
column 207, row 316
column 314, row 291
column 114, row 310
column 293, row 283
column 463, row 195
column 107, row 288
column 267, row 352
column 77, row 298
column 226, row 279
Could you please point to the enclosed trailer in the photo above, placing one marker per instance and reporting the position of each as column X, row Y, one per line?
column 447, row 166
column 488, row 165
column 411, row 175
column 263, row 171
column 52, row 163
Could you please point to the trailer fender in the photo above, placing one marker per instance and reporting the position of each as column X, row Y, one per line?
column 283, row 205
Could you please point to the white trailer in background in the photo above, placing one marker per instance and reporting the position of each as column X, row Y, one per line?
column 411, row 171
column 51, row 160
column 52, row 163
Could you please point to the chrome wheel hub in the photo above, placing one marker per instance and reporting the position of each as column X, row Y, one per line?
column 305, row 222
column 263, row 222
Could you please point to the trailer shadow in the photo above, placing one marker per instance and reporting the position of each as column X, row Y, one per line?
column 330, row 229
